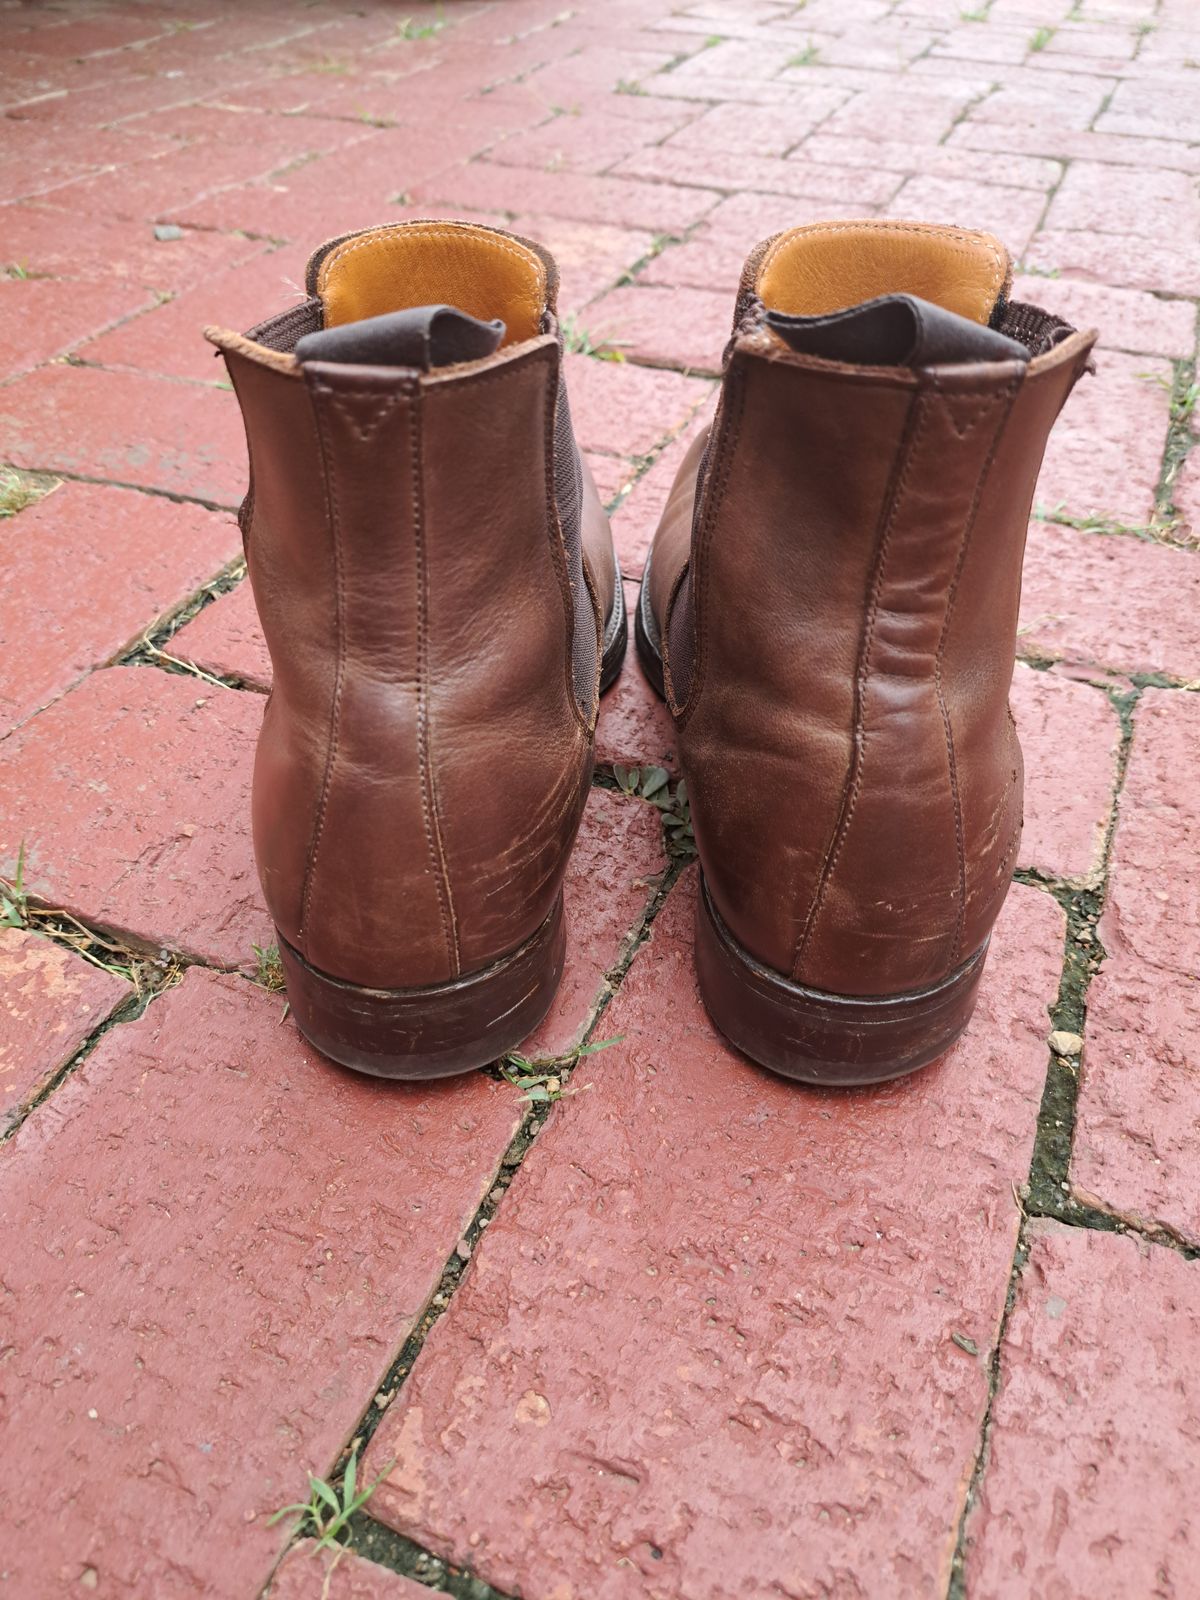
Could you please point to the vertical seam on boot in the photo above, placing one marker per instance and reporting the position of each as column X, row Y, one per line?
column 429, row 804
column 952, row 596
column 335, row 713
column 913, row 424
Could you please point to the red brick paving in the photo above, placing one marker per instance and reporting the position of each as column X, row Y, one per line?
column 97, row 566
column 1139, row 1103
column 1093, row 1405
column 179, row 1190
column 196, row 1330
column 50, row 1001
column 714, row 1303
column 308, row 1573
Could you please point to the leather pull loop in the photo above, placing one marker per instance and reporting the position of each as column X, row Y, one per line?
column 421, row 338
column 897, row 330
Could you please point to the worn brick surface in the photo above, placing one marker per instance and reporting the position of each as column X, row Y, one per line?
column 226, row 638
column 96, row 567
column 1127, row 319
column 666, row 327
column 170, row 339
column 308, row 1573
column 615, row 868
column 637, row 516
column 50, row 1001
column 1094, row 1404
column 41, row 241
column 132, row 795
column 625, row 410
column 1070, row 736
column 715, row 1302
column 188, row 1335
column 1105, row 454
column 128, row 428
column 1139, row 1103
column 45, row 317
column 1110, row 599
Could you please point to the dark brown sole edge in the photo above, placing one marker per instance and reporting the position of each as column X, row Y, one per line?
column 826, row 1039
column 433, row 1032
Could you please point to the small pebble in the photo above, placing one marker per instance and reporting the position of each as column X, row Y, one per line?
column 167, row 232
column 1065, row 1044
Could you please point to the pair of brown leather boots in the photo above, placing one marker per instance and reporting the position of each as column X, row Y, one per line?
column 829, row 608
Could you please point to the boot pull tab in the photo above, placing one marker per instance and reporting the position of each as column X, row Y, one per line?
column 897, row 330
column 420, row 337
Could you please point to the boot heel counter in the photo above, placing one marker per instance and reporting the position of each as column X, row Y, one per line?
column 864, row 839
column 396, row 845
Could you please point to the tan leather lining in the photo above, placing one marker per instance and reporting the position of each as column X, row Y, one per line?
column 432, row 263
column 828, row 266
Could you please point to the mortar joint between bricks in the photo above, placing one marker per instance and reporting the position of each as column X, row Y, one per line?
column 391, row 1384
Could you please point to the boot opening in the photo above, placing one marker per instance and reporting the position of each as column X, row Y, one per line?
column 830, row 266
column 490, row 276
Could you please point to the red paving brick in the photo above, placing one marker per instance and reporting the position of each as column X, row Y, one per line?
column 97, row 567
column 132, row 797
column 1139, row 1102
column 50, row 1001
column 126, row 427
column 667, row 327
column 45, row 317
column 308, row 1573
column 170, row 339
column 627, row 410
column 1105, row 454
column 636, row 517
column 40, row 240
column 1111, row 600
column 714, row 1302
column 635, row 727
column 1094, row 1405
column 1071, row 738
column 615, row 869
column 226, row 638
column 196, row 1332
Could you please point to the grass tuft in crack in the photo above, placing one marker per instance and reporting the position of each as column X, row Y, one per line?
column 18, row 490
column 541, row 1081
column 327, row 1513
column 147, row 974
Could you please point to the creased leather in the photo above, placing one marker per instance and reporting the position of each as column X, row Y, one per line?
column 424, row 761
column 852, row 584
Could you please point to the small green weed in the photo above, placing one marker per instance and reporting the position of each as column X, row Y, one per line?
column 629, row 86
column 268, row 969
column 808, row 57
column 540, row 1081
column 14, row 902
column 1042, row 38
column 410, row 28
column 326, row 1515
column 654, row 784
column 578, row 340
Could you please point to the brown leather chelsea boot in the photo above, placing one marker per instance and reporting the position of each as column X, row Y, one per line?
column 830, row 608
column 438, row 589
